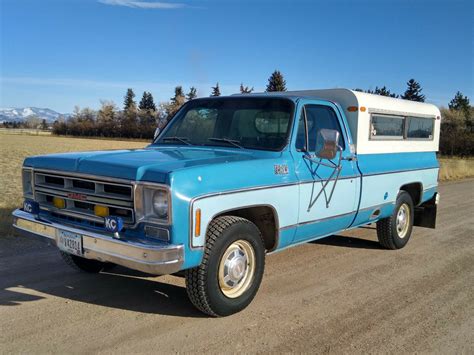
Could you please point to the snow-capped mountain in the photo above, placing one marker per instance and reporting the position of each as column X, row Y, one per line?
column 21, row 114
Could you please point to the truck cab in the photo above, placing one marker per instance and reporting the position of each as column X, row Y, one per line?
column 232, row 179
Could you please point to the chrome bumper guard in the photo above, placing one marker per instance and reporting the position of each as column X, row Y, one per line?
column 152, row 259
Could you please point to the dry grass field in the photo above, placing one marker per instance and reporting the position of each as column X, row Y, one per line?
column 456, row 168
column 15, row 148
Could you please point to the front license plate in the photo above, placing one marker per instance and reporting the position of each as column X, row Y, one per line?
column 70, row 242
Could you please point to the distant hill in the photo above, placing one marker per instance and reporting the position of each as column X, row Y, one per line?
column 21, row 114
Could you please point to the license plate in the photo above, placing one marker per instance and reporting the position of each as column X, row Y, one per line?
column 70, row 242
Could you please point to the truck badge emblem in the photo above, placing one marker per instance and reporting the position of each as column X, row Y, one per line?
column 76, row 196
column 280, row 169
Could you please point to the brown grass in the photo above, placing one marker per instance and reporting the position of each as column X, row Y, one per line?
column 15, row 148
column 456, row 168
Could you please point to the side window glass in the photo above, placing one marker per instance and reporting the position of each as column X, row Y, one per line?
column 387, row 127
column 420, row 128
column 318, row 117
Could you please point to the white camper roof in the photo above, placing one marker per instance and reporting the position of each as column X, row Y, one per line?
column 369, row 104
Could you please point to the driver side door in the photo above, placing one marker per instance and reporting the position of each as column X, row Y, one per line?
column 329, row 188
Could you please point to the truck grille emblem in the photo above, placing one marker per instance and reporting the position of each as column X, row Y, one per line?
column 76, row 196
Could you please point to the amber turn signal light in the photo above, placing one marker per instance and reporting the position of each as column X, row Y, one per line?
column 197, row 228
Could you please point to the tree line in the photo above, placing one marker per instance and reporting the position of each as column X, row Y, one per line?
column 140, row 120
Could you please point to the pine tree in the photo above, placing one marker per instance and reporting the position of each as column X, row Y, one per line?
column 150, row 102
column 128, row 101
column 382, row 91
column 192, row 94
column 147, row 103
column 245, row 89
column 175, row 103
column 178, row 97
column 459, row 103
column 276, row 82
column 413, row 91
column 216, row 90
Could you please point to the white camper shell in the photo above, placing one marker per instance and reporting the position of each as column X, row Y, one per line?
column 381, row 124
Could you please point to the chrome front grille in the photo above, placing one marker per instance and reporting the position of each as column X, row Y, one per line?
column 81, row 195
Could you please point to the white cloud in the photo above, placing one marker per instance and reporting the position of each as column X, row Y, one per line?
column 143, row 4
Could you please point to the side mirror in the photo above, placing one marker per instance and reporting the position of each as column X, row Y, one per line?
column 157, row 133
column 327, row 143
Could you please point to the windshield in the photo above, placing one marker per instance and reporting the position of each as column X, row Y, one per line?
column 253, row 123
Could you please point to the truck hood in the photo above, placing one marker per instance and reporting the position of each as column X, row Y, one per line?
column 148, row 164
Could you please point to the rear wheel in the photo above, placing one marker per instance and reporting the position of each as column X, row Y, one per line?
column 394, row 232
column 86, row 265
column 231, row 270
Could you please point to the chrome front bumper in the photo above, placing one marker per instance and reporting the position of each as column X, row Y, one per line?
column 152, row 259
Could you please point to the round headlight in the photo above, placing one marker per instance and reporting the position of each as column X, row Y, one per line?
column 160, row 203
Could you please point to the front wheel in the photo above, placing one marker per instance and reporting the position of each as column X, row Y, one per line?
column 231, row 270
column 394, row 232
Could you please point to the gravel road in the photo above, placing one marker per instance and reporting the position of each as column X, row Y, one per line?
column 340, row 294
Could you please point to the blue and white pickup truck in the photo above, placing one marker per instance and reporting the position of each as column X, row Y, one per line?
column 231, row 179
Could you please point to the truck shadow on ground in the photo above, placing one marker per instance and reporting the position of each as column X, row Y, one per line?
column 348, row 242
column 27, row 279
column 33, row 271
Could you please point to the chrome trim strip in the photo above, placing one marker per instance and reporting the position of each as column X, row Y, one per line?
column 398, row 171
column 336, row 216
column 156, row 259
column 314, row 221
column 376, row 206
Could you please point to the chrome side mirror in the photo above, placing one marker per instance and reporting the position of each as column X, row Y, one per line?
column 327, row 143
column 157, row 133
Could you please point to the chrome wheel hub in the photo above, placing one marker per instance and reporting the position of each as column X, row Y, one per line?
column 236, row 268
column 403, row 220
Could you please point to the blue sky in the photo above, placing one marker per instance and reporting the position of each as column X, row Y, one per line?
column 62, row 53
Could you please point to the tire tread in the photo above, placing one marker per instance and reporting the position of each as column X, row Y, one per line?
column 196, row 277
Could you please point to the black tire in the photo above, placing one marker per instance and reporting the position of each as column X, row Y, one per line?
column 202, row 282
column 86, row 265
column 390, row 237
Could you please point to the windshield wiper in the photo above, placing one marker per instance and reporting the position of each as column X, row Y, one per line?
column 179, row 139
column 233, row 142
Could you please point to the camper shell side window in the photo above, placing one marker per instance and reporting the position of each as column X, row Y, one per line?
column 398, row 127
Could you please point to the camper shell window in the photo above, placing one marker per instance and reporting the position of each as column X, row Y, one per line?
column 387, row 127
column 393, row 127
column 419, row 128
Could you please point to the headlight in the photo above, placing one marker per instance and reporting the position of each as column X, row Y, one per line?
column 152, row 203
column 160, row 203
column 27, row 180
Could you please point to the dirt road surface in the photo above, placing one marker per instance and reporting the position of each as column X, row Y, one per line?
column 341, row 294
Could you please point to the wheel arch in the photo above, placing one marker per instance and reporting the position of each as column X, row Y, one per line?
column 264, row 216
column 415, row 190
